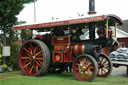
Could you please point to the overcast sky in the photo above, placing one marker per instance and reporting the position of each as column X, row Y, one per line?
column 70, row 9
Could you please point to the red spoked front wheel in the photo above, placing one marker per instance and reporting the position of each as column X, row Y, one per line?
column 105, row 66
column 85, row 68
column 34, row 58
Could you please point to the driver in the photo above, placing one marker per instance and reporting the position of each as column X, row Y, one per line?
column 101, row 31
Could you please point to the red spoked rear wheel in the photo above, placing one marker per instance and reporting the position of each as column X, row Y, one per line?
column 105, row 66
column 34, row 58
column 85, row 68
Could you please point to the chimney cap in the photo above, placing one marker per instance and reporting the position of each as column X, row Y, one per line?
column 91, row 12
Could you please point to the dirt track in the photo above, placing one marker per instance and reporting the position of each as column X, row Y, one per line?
column 120, row 71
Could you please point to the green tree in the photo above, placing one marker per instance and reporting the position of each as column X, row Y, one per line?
column 9, row 9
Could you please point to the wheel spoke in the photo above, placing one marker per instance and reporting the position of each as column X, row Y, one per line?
column 37, row 70
column 27, row 64
column 31, row 69
column 31, row 45
column 38, row 64
column 106, row 66
column 39, row 58
column 103, row 70
column 88, row 73
column 28, row 54
column 80, row 61
column 102, row 59
column 34, row 66
column 30, row 50
column 26, row 61
column 35, row 50
column 24, row 57
column 85, row 75
column 27, row 51
column 91, row 67
column 86, row 61
column 38, row 53
column 89, row 64
column 83, row 60
column 99, row 71
column 79, row 70
column 79, row 64
column 82, row 75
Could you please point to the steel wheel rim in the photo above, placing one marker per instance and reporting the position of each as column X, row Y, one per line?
column 31, row 58
column 86, row 72
column 104, row 66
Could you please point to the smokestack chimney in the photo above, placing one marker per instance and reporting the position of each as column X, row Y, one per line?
column 91, row 7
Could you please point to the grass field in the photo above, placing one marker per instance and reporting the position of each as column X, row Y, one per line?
column 17, row 78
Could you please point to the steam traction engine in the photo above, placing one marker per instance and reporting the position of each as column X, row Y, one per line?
column 66, row 43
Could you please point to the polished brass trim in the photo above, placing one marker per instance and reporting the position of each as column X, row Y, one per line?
column 76, row 49
column 115, row 29
column 83, row 46
column 107, row 28
column 60, row 38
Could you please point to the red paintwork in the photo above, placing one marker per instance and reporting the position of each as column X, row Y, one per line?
column 67, row 56
column 62, row 43
column 78, row 48
column 124, row 40
column 57, row 56
column 69, row 22
column 61, row 40
column 58, row 47
column 60, row 23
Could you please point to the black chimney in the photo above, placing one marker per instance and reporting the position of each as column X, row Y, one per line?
column 91, row 24
column 91, row 7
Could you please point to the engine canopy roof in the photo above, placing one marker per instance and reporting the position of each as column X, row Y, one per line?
column 70, row 22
